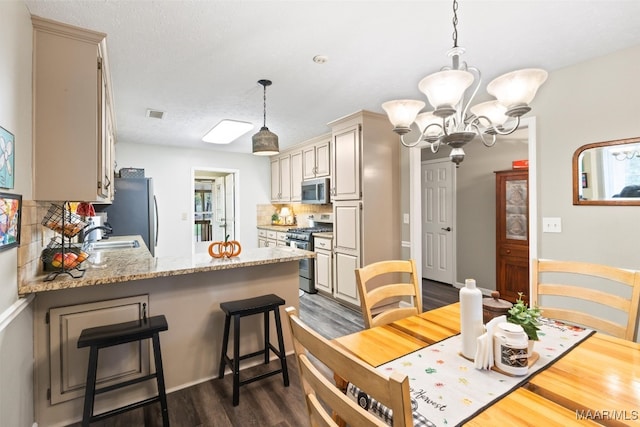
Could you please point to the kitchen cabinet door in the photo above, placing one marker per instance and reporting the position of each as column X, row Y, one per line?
column 346, row 226
column 296, row 176
column 316, row 160
column 345, row 162
column 323, row 267
column 281, row 179
column 346, row 288
column 115, row 364
column 73, row 124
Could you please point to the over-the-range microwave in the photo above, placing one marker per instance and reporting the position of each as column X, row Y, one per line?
column 316, row 191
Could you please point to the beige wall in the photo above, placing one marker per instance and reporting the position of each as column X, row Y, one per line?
column 16, row 316
column 590, row 102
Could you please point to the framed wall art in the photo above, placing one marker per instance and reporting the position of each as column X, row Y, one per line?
column 10, row 215
column 7, row 158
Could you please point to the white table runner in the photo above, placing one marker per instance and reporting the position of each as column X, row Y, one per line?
column 446, row 388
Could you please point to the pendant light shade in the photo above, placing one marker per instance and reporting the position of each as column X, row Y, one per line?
column 265, row 142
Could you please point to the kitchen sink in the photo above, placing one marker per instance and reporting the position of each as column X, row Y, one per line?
column 113, row 244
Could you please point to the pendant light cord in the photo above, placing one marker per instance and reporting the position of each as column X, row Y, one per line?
column 264, row 123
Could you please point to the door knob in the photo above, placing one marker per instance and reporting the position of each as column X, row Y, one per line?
column 446, row 229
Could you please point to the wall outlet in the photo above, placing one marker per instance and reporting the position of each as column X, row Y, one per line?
column 551, row 225
column 184, row 216
column 405, row 218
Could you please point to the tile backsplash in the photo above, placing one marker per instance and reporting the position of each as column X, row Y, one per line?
column 298, row 210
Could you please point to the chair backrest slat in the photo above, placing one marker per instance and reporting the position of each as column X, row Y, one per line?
column 379, row 281
column 322, row 395
column 628, row 305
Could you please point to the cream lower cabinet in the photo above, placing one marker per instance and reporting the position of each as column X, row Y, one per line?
column 69, row 364
column 346, row 250
column 323, row 264
column 270, row 238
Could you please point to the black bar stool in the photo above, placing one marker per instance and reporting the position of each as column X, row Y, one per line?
column 120, row 333
column 246, row 307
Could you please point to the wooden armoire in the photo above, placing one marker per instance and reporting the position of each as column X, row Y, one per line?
column 512, row 233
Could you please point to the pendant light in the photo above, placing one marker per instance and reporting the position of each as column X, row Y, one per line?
column 265, row 142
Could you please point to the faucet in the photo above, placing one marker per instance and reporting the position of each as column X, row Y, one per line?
column 84, row 235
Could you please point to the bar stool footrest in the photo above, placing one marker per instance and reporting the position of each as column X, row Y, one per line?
column 259, row 377
column 124, row 384
column 124, row 409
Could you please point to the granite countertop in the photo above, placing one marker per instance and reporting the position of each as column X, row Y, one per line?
column 123, row 265
column 276, row 227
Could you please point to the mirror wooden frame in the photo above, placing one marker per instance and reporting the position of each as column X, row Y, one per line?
column 577, row 176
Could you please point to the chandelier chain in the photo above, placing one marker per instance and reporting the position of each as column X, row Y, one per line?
column 455, row 23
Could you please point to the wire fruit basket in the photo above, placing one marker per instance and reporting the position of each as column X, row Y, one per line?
column 63, row 221
column 61, row 256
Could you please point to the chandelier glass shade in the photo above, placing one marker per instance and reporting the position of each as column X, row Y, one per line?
column 452, row 120
column 265, row 142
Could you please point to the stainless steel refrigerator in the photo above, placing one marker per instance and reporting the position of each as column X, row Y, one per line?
column 134, row 210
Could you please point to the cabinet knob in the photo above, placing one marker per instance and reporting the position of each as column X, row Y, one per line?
column 508, row 251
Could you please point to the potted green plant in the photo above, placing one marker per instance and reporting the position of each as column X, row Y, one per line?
column 527, row 317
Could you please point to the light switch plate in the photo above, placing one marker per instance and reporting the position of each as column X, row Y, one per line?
column 405, row 218
column 184, row 216
column 551, row 225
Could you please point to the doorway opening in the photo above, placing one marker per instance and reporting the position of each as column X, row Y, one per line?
column 214, row 202
column 474, row 246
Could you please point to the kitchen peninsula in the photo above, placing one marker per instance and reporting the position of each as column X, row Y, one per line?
column 122, row 284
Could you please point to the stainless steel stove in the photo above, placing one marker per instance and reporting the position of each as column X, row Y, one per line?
column 302, row 238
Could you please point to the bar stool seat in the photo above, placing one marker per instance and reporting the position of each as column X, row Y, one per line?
column 246, row 307
column 115, row 334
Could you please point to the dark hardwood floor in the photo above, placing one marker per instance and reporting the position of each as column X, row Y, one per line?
column 265, row 403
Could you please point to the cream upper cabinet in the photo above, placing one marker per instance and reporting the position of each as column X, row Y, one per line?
column 346, row 163
column 281, row 178
column 296, row 176
column 316, row 161
column 73, row 120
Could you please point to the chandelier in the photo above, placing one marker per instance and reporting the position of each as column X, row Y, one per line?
column 453, row 121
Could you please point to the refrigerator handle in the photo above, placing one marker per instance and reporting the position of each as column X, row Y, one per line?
column 155, row 204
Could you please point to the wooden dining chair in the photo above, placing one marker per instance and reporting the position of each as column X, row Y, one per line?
column 383, row 288
column 323, row 396
column 600, row 292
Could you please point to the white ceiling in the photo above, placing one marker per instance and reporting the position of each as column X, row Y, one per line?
column 199, row 61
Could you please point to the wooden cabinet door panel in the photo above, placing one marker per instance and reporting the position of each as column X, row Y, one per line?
column 323, row 271
column 346, row 288
column 115, row 364
column 346, row 164
column 512, row 233
column 323, row 159
column 296, row 176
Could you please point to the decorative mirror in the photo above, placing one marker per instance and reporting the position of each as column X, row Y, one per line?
column 607, row 173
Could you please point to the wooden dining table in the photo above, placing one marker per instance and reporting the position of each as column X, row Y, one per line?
column 595, row 383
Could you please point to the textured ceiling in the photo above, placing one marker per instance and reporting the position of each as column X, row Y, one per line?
column 199, row 61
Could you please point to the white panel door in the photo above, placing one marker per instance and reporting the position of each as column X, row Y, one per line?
column 437, row 221
column 346, row 226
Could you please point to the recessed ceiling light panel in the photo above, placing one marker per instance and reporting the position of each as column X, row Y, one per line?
column 227, row 131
